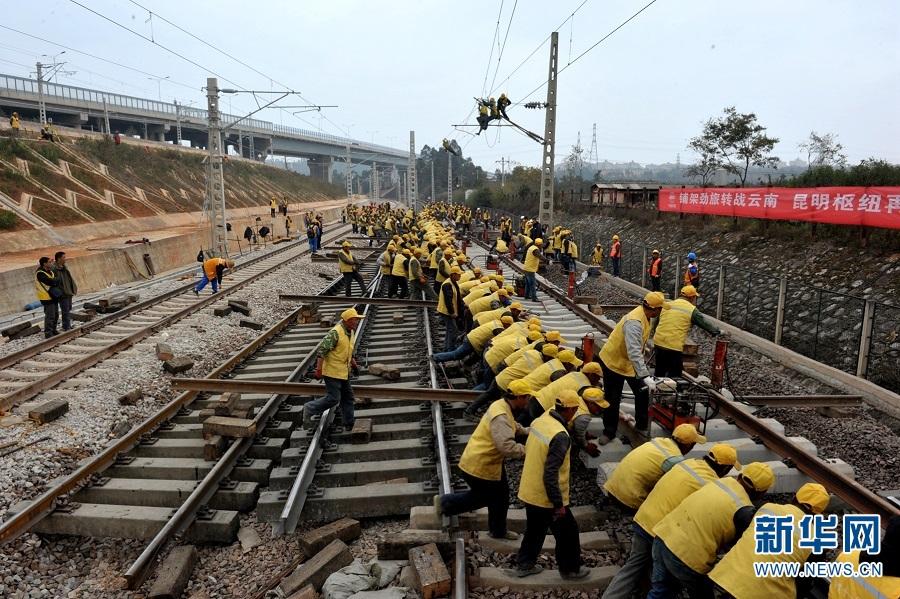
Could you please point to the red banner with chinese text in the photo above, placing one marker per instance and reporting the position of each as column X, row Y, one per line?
column 866, row 206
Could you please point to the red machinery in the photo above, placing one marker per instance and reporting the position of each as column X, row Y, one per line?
column 587, row 347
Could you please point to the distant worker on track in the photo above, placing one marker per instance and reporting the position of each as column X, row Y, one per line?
column 615, row 254
column 333, row 365
column 672, row 330
column 213, row 271
column 48, row 292
column 692, row 272
column 67, row 287
column 349, row 269
column 655, row 271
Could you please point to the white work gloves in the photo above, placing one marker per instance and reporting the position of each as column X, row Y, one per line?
column 650, row 383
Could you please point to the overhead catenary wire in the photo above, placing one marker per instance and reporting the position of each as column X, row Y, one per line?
column 503, row 47
column 494, row 40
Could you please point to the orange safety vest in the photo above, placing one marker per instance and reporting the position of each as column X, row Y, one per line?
column 655, row 267
column 614, row 252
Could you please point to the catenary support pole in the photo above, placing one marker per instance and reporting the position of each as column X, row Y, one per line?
column 215, row 181
column 412, row 178
column 547, row 174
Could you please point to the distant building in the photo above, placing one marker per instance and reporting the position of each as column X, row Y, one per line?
column 625, row 194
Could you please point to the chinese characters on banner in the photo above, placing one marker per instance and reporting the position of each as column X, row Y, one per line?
column 867, row 206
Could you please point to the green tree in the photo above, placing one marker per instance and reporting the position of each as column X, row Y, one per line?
column 738, row 142
column 823, row 150
column 708, row 164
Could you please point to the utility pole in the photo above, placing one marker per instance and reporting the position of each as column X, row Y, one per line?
column 106, row 118
column 449, row 177
column 177, row 120
column 546, row 197
column 215, row 180
column 502, row 162
column 349, row 175
column 375, row 180
column 413, row 197
column 42, row 106
column 433, row 198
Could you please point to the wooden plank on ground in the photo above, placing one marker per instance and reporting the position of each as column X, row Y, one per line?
column 174, row 573
column 362, row 431
column 228, row 427
column 345, row 529
column 431, row 572
column 49, row 411
column 319, row 567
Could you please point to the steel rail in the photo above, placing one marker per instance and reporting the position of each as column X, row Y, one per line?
column 290, row 388
column 377, row 301
column 99, row 323
column 857, row 496
column 460, row 585
column 802, row 401
column 293, row 507
column 53, row 378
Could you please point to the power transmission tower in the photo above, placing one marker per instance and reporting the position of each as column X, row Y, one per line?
column 42, row 106
column 215, row 180
column 546, row 201
column 413, row 197
column 594, row 157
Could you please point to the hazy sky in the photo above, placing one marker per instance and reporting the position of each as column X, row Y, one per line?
column 801, row 65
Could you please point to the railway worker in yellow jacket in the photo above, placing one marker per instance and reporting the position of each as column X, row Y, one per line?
column 213, row 271
column 418, row 282
column 672, row 329
column 333, row 365
column 481, row 464
column 474, row 341
column 513, row 308
column 622, row 360
column 450, row 307
column 528, row 360
column 589, row 375
column 533, row 258
column 735, row 573
column 349, row 268
column 399, row 274
column 690, row 537
column 544, row 489
column 630, row 484
column 597, row 256
column 872, row 587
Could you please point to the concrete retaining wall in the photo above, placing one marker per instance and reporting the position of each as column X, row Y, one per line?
column 98, row 270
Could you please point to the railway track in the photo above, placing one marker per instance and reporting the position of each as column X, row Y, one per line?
column 39, row 367
column 292, row 474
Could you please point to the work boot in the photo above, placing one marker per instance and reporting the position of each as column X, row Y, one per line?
column 197, row 293
column 582, row 572
column 508, row 535
column 523, row 572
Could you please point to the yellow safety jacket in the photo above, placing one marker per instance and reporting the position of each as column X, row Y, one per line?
column 466, row 276
column 480, row 335
column 443, row 271
column 387, row 261
column 511, row 358
column 674, row 325
column 613, row 352
column 556, row 242
column 465, row 286
column 571, row 250
column 531, row 487
column 532, row 260
column 43, row 291
column 683, row 479
column 481, row 458
column 597, row 257
column 336, row 363
column 442, row 306
column 519, row 369
column 474, row 294
column 639, row 471
column 548, row 394
column 414, row 269
column 500, row 348
column 209, row 267
column 435, row 257
column 858, row 587
column 540, row 376
column 487, row 315
column 703, row 523
column 483, row 303
column 734, row 572
column 399, row 269
column 344, row 266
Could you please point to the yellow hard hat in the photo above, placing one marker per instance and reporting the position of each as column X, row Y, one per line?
column 687, row 433
column 350, row 314
column 655, row 299
column 595, row 395
column 568, row 399
column 689, row 291
column 813, row 495
column 567, row 356
column 591, row 368
column 507, row 320
column 725, row 455
column 519, row 387
column 759, row 475
column 549, row 349
column 534, row 320
column 455, row 270
column 516, row 305
column 462, row 259
column 554, row 336
column 615, row 238
column 407, row 253
column 502, row 292
column 538, row 241
column 534, row 335
column 346, row 244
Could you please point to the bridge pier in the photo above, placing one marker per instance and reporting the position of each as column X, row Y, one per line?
column 320, row 167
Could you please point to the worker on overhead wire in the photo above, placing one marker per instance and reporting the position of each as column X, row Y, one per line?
column 689, row 539
column 448, row 145
column 349, row 269
column 622, row 359
column 482, row 463
column 735, row 575
column 333, row 365
column 679, row 480
column 672, row 330
column 544, row 489
column 484, row 116
column 655, row 271
column 502, row 103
